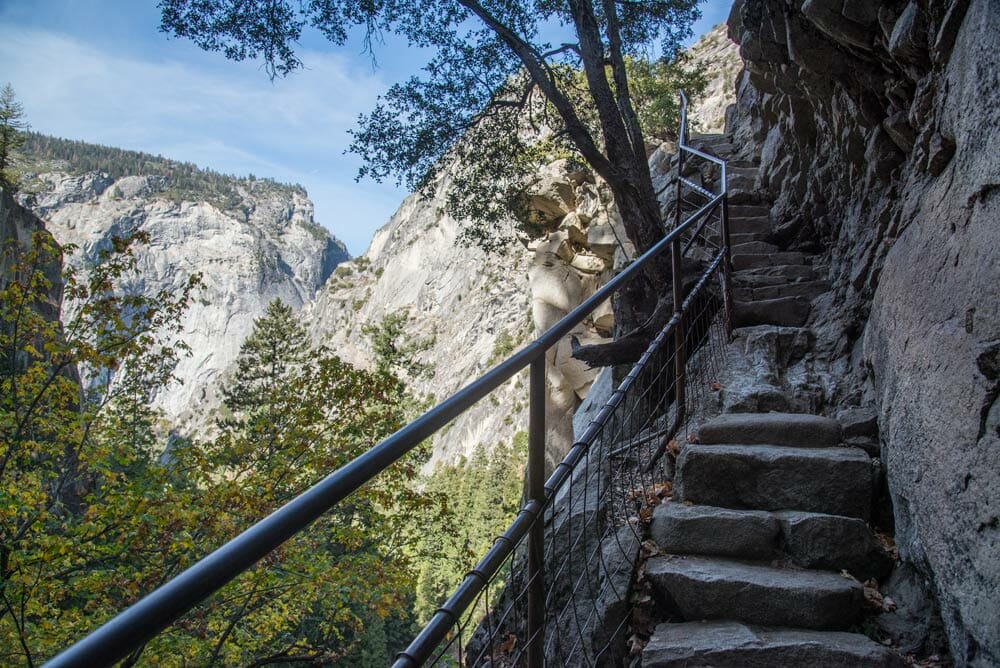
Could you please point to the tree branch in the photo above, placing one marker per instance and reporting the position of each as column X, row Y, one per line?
column 537, row 71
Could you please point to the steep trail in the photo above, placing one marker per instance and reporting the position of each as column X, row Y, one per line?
column 768, row 527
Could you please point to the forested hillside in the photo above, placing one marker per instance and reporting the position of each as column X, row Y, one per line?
column 179, row 181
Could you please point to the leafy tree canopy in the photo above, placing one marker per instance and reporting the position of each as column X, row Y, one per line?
column 492, row 70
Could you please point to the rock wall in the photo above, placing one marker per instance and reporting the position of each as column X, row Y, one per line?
column 877, row 125
column 17, row 229
column 720, row 58
column 468, row 310
column 267, row 247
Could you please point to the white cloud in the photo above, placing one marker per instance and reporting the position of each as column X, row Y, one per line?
column 205, row 109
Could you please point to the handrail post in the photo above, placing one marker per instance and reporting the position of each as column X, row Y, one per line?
column 536, row 492
column 727, row 268
column 680, row 393
column 677, row 277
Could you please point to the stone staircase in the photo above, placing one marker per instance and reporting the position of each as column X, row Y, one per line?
column 771, row 286
column 769, row 510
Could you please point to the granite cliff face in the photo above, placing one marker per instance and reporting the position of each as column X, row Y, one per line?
column 720, row 58
column 876, row 124
column 17, row 229
column 466, row 310
column 265, row 246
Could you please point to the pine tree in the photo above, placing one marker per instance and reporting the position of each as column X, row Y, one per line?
column 276, row 346
column 12, row 128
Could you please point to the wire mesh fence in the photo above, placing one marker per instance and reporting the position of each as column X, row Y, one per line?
column 598, row 502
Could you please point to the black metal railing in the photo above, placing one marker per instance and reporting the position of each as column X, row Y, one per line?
column 557, row 586
column 666, row 365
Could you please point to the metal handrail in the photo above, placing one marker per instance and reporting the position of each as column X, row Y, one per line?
column 133, row 627
column 539, row 497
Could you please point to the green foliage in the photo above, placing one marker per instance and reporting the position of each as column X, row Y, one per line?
column 12, row 129
column 492, row 86
column 299, row 413
column 654, row 86
column 176, row 181
column 92, row 516
column 483, row 497
column 396, row 351
column 502, row 348
column 74, row 488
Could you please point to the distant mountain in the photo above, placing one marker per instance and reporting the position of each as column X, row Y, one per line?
column 251, row 239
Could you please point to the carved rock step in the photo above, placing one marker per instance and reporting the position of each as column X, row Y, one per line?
column 748, row 211
column 698, row 588
column 736, row 238
column 727, row 644
column 794, row 429
column 809, row 540
column 756, row 261
column 835, row 481
column 752, row 279
column 743, row 225
column 783, row 311
column 753, row 247
column 742, row 192
column 788, row 272
column 743, row 237
column 806, row 289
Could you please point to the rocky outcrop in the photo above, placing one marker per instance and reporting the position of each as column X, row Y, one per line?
column 466, row 310
column 266, row 246
column 720, row 58
column 875, row 125
column 18, row 227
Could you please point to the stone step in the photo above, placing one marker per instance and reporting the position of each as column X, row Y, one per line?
column 720, row 149
column 835, row 481
column 748, row 211
column 729, row 644
column 678, row 528
column 789, row 272
column 833, row 542
column 698, row 588
column 783, row 312
column 744, row 237
column 741, row 193
column 744, row 225
column 809, row 540
column 743, row 261
column 743, row 163
column 806, row 289
column 793, row 429
column 753, row 247
column 736, row 238
column 753, row 279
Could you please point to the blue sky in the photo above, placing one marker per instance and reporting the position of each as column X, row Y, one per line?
column 100, row 71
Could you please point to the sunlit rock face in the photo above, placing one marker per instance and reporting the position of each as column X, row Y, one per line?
column 264, row 246
column 720, row 57
column 876, row 124
column 467, row 310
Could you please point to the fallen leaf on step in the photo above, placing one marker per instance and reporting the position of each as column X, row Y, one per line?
column 636, row 645
column 507, row 646
column 673, row 448
column 873, row 597
column 716, row 387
